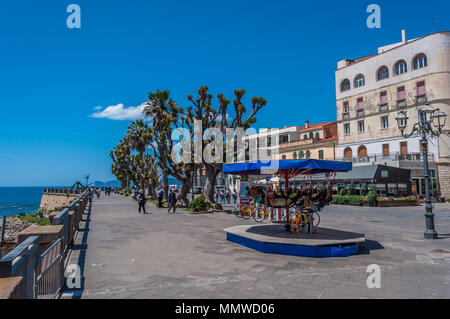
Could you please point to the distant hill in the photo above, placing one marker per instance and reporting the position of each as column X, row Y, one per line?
column 107, row 184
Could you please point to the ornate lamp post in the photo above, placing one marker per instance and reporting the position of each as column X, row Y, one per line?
column 430, row 123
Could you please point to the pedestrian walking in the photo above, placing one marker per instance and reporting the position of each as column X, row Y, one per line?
column 91, row 194
column 141, row 201
column 135, row 193
column 172, row 200
column 228, row 196
column 160, row 197
column 222, row 197
column 235, row 195
column 217, row 196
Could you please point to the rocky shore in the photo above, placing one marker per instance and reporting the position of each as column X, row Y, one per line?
column 14, row 226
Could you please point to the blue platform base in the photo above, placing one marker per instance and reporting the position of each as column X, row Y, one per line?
column 343, row 250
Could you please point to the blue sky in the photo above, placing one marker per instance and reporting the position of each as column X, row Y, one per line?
column 52, row 77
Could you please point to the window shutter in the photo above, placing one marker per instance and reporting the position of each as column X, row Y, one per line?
column 401, row 93
column 360, row 103
column 383, row 97
column 421, row 88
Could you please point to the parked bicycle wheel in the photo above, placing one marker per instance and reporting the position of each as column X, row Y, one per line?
column 259, row 214
column 237, row 211
column 246, row 212
column 315, row 219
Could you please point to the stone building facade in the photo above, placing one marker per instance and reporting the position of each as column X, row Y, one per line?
column 370, row 91
column 317, row 141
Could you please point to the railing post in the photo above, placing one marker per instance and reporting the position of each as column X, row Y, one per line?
column 21, row 261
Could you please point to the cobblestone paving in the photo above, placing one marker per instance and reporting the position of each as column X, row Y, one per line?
column 157, row 255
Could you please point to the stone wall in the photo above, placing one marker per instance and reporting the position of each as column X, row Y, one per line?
column 444, row 178
column 51, row 201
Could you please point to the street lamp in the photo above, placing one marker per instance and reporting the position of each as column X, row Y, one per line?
column 86, row 176
column 427, row 119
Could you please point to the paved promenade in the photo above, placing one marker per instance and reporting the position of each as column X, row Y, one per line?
column 127, row 255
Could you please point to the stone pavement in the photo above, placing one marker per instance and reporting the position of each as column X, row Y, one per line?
column 124, row 254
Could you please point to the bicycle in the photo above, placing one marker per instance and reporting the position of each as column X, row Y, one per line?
column 262, row 213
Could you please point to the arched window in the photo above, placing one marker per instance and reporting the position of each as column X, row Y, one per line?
column 308, row 154
column 359, row 81
column 317, row 135
column 302, row 154
column 311, row 135
column 348, row 153
column 420, row 61
column 383, row 73
column 345, row 85
column 295, row 155
column 400, row 67
column 305, row 137
column 362, row 151
column 283, row 157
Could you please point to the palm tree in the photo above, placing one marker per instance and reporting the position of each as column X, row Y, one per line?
column 164, row 113
column 139, row 136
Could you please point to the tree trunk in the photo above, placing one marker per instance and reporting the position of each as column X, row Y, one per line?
column 151, row 191
column 210, row 183
column 165, row 183
column 182, row 197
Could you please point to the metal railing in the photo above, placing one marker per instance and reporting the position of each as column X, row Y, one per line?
column 392, row 157
column 64, row 191
column 21, row 262
column 43, row 275
column 50, row 272
column 63, row 219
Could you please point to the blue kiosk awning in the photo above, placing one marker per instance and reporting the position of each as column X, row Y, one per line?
column 294, row 167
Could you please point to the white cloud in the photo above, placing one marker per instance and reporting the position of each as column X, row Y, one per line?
column 119, row 112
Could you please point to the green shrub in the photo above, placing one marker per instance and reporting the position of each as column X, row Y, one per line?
column 363, row 190
column 342, row 192
column 372, row 195
column 199, row 204
column 354, row 200
column 350, row 189
column 34, row 220
column 218, row 206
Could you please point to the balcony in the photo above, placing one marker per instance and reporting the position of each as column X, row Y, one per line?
column 359, row 113
column 383, row 107
column 346, row 116
column 401, row 103
column 421, row 99
column 384, row 158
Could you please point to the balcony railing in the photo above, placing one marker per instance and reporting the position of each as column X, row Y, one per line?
column 392, row 157
column 383, row 107
column 421, row 99
column 401, row 103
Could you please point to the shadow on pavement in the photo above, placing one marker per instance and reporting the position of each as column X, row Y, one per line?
column 369, row 245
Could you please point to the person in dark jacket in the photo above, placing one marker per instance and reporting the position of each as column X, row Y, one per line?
column 160, row 198
column 172, row 200
column 141, row 201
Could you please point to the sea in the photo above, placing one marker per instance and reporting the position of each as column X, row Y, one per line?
column 20, row 200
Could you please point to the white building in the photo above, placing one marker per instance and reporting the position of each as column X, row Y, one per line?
column 370, row 91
